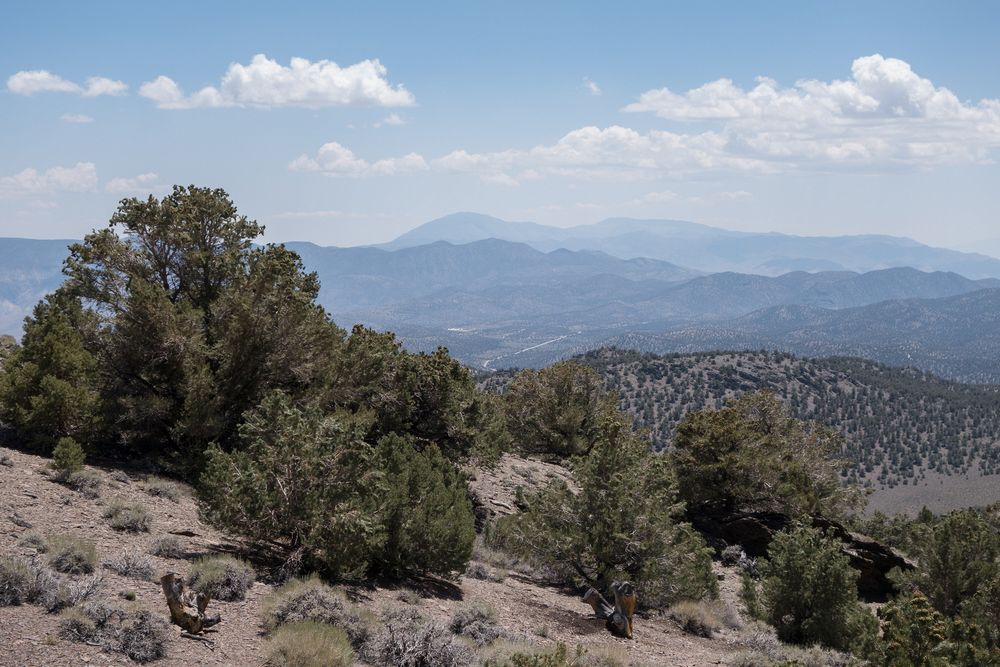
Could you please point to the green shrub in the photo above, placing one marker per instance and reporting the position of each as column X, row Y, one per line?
column 163, row 488
column 303, row 479
column 957, row 555
column 5, row 460
column 168, row 546
column 309, row 644
column 983, row 610
column 477, row 623
column 408, row 640
column 221, row 577
column 67, row 457
column 312, row 600
column 555, row 411
column 125, row 516
column 623, row 524
column 131, row 563
column 753, row 456
column 809, row 590
column 750, row 596
column 48, row 390
column 427, row 515
column 71, row 555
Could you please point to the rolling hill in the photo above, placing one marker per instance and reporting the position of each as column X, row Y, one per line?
column 913, row 438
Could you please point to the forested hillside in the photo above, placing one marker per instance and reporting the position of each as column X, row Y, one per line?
column 898, row 424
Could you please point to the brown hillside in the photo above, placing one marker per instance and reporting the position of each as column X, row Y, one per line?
column 30, row 502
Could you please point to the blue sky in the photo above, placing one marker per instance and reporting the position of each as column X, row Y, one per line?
column 869, row 118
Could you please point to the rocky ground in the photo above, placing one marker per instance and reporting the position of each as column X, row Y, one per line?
column 30, row 501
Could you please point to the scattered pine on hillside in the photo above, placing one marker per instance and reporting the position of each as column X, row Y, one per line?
column 897, row 423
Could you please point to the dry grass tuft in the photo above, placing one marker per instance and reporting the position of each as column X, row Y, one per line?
column 408, row 640
column 221, row 577
column 163, row 488
column 71, row 555
column 131, row 563
column 312, row 600
column 168, row 546
column 309, row 644
column 125, row 516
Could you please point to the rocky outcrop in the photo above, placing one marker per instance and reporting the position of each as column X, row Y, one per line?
column 753, row 531
column 495, row 491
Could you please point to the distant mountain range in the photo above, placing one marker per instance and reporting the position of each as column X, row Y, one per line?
column 528, row 302
column 955, row 337
column 708, row 249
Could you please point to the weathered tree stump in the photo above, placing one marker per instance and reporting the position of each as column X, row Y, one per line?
column 187, row 608
column 618, row 617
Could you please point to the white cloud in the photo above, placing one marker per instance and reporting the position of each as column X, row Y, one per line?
column 29, row 82
column 79, row 178
column 265, row 83
column 334, row 159
column 885, row 115
column 391, row 119
column 100, row 85
column 143, row 183
column 608, row 153
column 39, row 81
column 76, row 118
column 592, row 87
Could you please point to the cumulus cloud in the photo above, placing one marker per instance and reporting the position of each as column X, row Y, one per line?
column 613, row 152
column 592, row 87
column 334, row 159
column 100, row 85
column 30, row 82
column 143, row 183
column 265, row 83
column 75, row 118
column 79, row 178
column 884, row 115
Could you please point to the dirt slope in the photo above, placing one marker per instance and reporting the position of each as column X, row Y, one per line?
column 31, row 502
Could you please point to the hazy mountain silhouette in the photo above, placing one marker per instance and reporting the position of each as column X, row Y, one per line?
column 709, row 249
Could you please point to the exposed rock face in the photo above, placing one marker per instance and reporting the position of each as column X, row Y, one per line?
column 754, row 530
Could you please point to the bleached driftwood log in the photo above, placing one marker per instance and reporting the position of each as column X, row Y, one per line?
column 187, row 608
column 618, row 617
